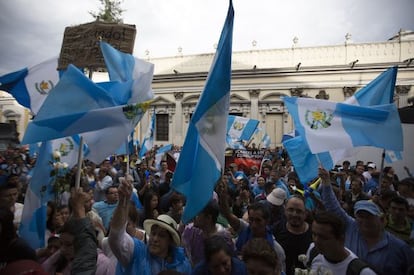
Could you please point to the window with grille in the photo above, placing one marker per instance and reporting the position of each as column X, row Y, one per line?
column 162, row 127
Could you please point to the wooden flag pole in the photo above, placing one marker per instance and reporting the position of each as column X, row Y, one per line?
column 78, row 172
column 381, row 175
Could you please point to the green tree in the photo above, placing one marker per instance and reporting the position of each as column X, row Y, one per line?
column 110, row 11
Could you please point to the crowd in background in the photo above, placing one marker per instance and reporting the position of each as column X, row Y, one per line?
column 126, row 219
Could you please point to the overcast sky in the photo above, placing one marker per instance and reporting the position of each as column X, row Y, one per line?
column 32, row 31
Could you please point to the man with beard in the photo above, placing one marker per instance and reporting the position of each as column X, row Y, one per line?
column 295, row 234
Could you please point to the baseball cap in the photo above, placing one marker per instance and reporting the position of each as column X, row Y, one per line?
column 368, row 206
column 372, row 165
column 277, row 197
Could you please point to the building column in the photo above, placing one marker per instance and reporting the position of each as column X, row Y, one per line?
column 348, row 92
column 178, row 125
column 401, row 95
column 254, row 107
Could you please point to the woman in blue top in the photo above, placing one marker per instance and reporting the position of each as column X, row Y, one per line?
column 163, row 251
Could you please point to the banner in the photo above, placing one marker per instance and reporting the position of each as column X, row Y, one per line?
column 245, row 159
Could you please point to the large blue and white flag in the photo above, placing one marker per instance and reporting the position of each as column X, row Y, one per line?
column 392, row 156
column 327, row 125
column 31, row 86
column 241, row 128
column 202, row 157
column 73, row 97
column 77, row 105
column 123, row 67
column 160, row 154
column 377, row 92
column 39, row 192
column 148, row 142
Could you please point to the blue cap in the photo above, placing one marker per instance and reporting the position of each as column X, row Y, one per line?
column 368, row 206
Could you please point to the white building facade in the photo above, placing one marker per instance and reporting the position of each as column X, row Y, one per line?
column 259, row 79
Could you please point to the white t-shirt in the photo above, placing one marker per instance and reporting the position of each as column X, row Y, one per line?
column 319, row 263
column 18, row 210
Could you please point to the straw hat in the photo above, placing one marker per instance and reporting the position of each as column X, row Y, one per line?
column 165, row 222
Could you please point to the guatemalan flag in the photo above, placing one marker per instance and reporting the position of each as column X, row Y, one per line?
column 127, row 69
column 67, row 146
column 148, row 142
column 377, row 92
column 266, row 141
column 39, row 192
column 392, row 156
column 123, row 67
column 241, row 128
column 202, row 158
column 234, row 143
column 31, row 86
column 161, row 153
column 77, row 105
column 327, row 125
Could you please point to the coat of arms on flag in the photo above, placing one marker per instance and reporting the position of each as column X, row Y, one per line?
column 66, row 146
column 318, row 119
column 44, row 87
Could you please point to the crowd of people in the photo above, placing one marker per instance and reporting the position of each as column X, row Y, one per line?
column 126, row 219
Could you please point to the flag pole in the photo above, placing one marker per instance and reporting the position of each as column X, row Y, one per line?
column 381, row 167
column 127, row 159
column 80, row 151
column 78, row 172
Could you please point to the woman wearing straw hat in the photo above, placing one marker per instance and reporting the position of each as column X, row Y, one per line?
column 163, row 251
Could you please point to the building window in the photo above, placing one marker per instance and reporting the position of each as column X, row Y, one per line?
column 162, row 127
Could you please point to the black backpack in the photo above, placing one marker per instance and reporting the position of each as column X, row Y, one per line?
column 354, row 267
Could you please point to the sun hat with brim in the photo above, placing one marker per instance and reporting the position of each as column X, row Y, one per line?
column 369, row 206
column 165, row 222
column 277, row 197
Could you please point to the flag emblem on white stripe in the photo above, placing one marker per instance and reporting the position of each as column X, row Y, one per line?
column 132, row 111
column 238, row 125
column 66, row 147
column 44, row 87
column 318, row 119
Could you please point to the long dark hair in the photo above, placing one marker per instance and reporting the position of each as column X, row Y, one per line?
column 148, row 212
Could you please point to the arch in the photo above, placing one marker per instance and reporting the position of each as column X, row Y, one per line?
column 273, row 95
column 236, row 97
column 191, row 99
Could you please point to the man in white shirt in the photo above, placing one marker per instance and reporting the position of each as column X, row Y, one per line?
column 328, row 253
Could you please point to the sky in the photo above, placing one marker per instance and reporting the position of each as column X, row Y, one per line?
column 32, row 31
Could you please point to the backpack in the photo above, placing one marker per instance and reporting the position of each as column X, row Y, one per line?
column 354, row 267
